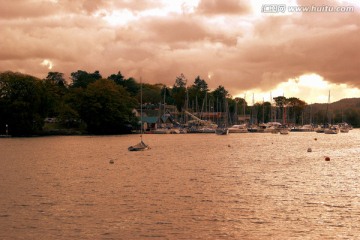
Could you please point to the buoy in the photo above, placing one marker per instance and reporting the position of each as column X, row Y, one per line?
column 309, row 150
column 327, row 159
column 111, row 162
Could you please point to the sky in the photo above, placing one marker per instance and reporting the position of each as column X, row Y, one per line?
column 257, row 48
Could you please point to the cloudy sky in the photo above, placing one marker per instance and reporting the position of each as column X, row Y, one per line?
column 250, row 47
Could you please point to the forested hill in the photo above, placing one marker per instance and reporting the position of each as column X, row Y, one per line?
column 346, row 103
column 344, row 110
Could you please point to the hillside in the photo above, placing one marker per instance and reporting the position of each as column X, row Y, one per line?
column 342, row 104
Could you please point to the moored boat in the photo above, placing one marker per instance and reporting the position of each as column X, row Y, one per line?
column 161, row 131
column 284, row 131
column 344, row 130
column 304, row 128
column 344, row 127
column 320, row 129
column 222, row 131
column 141, row 146
column 333, row 129
column 238, row 129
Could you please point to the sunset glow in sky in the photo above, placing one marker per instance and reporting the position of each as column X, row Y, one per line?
column 239, row 44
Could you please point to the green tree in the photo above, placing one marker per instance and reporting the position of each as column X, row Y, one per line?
column 107, row 108
column 69, row 115
column 151, row 93
column 55, row 89
column 22, row 106
column 179, row 91
column 197, row 92
column 165, row 91
column 296, row 108
column 261, row 112
column 56, row 78
column 129, row 84
column 180, row 81
column 219, row 95
column 353, row 116
column 132, row 86
column 82, row 78
column 280, row 101
column 117, row 78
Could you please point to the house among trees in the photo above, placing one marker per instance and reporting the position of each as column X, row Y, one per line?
column 152, row 120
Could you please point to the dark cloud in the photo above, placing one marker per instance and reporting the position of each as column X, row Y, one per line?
column 242, row 52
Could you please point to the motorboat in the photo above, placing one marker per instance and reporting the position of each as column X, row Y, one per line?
column 333, row 129
column 238, row 129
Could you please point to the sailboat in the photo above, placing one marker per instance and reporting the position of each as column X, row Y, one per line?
column 330, row 129
column 283, row 128
column 224, row 130
column 141, row 146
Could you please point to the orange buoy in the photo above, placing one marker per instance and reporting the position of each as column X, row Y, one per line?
column 327, row 159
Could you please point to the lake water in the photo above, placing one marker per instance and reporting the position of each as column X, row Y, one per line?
column 191, row 186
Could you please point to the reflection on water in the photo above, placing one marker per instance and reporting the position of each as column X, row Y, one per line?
column 192, row 186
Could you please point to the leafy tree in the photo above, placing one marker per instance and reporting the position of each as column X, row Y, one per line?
column 117, row 78
column 129, row 84
column 56, row 78
column 83, row 79
column 200, row 84
column 166, row 92
column 261, row 112
column 69, row 115
column 179, row 91
column 295, row 108
column 241, row 104
column 107, row 108
column 353, row 117
column 21, row 103
column 151, row 93
column 180, row 81
column 280, row 101
column 197, row 92
column 55, row 89
column 219, row 95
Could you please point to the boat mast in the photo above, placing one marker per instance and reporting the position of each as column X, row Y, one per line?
column 263, row 110
column 226, row 120
column 164, row 99
column 271, row 109
column 327, row 109
column 244, row 107
column 253, row 110
column 141, row 111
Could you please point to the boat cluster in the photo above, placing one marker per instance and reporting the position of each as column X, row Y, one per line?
column 270, row 127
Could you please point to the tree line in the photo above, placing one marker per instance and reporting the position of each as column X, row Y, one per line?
column 98, row 105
